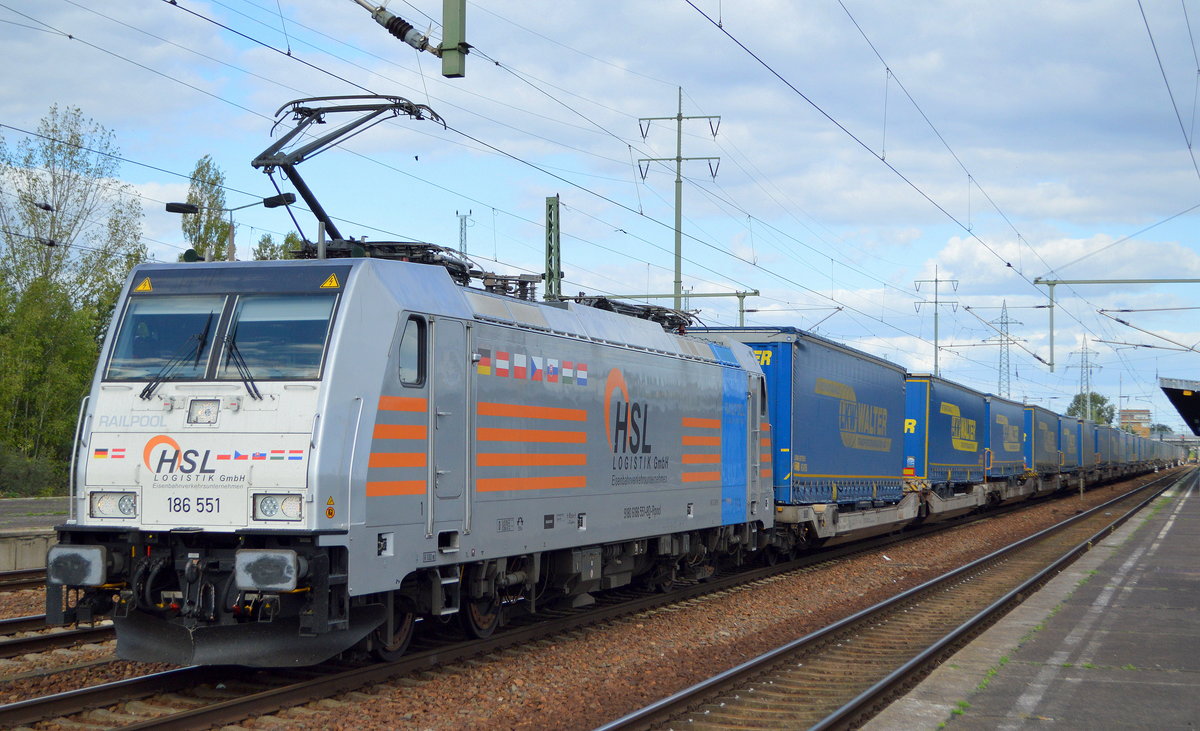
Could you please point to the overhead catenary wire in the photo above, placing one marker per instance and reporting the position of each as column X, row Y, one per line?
column 882, row 321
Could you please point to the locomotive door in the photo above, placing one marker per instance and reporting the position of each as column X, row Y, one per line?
column 758, row 414
column 449, row 416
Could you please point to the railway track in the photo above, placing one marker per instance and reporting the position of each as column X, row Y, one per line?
column 45, row 639
column 22, row 579
column 840, row 676
column 203, row 697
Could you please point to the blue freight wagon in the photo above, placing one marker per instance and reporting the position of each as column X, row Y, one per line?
column 1107, row 445
column 1089, row 452
column 945, row 432
column 1068, row 443
column 1005, row 457
column 1041, row 440
column 836, row 416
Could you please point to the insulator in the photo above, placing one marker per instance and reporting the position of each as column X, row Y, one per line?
column 401, row 29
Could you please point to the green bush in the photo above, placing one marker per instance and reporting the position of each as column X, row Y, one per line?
column 21, row 476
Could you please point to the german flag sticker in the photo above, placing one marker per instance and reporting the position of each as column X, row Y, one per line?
column 144, row 286
column 331, row 282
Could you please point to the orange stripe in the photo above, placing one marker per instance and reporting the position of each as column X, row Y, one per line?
column 530, row 435
column 689, row 421
column 497, row 459
column 499, row 484
column 397, row 459
column 403, row 403
column 689, row 441
column 764, row 442
column 764, row 472
column 396, row 487
column 700, row 476
column 702, row 459
column 400, row 431
column 487, row 408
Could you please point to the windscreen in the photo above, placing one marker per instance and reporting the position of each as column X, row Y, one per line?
column 166, row 337
column 277, row 337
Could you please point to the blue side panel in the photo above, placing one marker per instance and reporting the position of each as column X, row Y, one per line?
column 775, row 358
column 1068, row 442
column 847, row 430
column 1041, row 439
column 1006, row 437
column 733, row 448
column 916, row 428
column 957, row 436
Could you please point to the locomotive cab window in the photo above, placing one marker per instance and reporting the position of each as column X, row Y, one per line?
column 412, row 352
column 277, row 337
column 165, row 337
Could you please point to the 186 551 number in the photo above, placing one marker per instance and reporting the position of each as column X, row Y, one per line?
column 193, row 505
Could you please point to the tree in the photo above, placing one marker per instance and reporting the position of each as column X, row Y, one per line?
column 1102, row 411
column 63, row 215
column 266, row 248
column 1161, row 430
column 206, row 230
column 69, row 234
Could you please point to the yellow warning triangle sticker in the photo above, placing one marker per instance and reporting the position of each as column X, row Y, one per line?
column 144, row 286
column 329, row 501
column 331, row 282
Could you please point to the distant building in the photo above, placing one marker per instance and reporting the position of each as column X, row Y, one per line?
column 1136, row 420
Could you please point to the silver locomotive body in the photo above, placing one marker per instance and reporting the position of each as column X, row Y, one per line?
column 281, row 460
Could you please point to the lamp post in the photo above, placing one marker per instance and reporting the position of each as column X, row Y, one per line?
column 275, row 201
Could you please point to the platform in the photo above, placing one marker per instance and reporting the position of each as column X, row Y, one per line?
column 1112, row 642
column 27, row 530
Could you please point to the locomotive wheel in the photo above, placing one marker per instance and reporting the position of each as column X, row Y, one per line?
column 390, row 649
column 481, row 617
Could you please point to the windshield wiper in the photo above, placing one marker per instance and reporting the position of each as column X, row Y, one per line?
column 193, row 346
column 235, row 355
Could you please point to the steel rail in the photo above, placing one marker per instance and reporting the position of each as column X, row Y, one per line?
column 22, row 579
column 73, row 701
column 16, row 646
column 22, row 624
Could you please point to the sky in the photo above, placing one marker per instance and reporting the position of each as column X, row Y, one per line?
column 864, row 149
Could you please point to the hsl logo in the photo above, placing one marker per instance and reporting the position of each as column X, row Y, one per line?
column 171, row 458
column 625, row 421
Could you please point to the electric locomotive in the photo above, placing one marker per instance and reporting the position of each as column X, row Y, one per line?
column 279, row 461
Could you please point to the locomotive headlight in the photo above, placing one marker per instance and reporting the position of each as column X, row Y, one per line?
column 277, row 507
column 203, row 410
column 112, row 505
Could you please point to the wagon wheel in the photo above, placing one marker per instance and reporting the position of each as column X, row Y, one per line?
column 481, row 617
column 390, row 647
